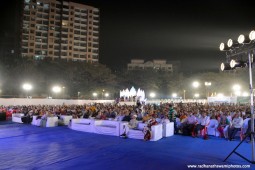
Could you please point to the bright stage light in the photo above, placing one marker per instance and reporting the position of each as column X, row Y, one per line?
column 241, row 39
column 222, row 46
column 230, row 43
column 234, row 63
column 252, row 35
column 225, row 66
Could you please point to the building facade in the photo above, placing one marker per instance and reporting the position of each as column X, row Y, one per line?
column 139, row 64
column 60, row 30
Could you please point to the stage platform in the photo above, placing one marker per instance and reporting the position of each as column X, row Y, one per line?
column 25, row 146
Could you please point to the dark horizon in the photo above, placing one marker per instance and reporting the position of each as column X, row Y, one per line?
column 186, row 31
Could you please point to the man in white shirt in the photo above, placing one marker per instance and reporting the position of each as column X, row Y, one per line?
column 133, row 123
column 235, row 125
column 189, row 124
column 202, row 123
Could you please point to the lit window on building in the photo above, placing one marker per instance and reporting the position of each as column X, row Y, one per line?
column 64, row 23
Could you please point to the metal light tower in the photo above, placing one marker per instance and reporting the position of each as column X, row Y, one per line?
column 244, row 46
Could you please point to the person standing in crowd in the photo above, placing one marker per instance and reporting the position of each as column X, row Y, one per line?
column 172, row 117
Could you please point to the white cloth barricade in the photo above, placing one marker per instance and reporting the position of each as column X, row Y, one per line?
column 66, row 119
column 84, row 125
column 156, row 132
column 36, row 121
column 107, row 127
column 49, row 122
column 168, row 129
column 16, row 117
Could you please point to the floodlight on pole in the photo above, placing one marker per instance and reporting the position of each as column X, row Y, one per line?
column 220, row 95
column 236, row 87
column 195, row 84
column 252, row 35
column 196, row 95
column 222, row 46
column 245, row 94
column 56, row 89
column 246, row 46
column 225, row 66
column 208, row 83
column 243, row 39
column 230, row 43
column 234, row 63
column 78, row 95
column 27, row 87
column 174, row 95
column 152, row 94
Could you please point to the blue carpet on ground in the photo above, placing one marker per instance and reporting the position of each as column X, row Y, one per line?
column 30, row 147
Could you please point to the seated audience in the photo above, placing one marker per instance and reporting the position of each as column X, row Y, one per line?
column 189, row 124
column 202, row 123
column 223, row 125
column 235, row 126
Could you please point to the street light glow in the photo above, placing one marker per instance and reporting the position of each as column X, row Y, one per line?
column 220, row 95
column 94, row 94
column 152, row 95
column 237, row 93
column 27, row 86
column 208, row 83
column 236, row 87
column 56, row 89
column 106, row 94
column 195, row 84
column 174, row 95
column 245, row 94
column 196, row 95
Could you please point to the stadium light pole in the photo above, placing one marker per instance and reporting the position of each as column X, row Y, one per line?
column 56, row 89
column 27, row 87
column 245, row 46
column 207, row 85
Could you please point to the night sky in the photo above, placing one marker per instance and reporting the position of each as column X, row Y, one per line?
column 189, row 31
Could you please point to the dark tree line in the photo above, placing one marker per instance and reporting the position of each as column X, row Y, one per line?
column 87, row 78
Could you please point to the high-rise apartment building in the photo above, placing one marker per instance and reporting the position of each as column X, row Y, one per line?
column 60, row 29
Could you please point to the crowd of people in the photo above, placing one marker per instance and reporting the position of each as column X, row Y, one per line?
column 188, row 118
